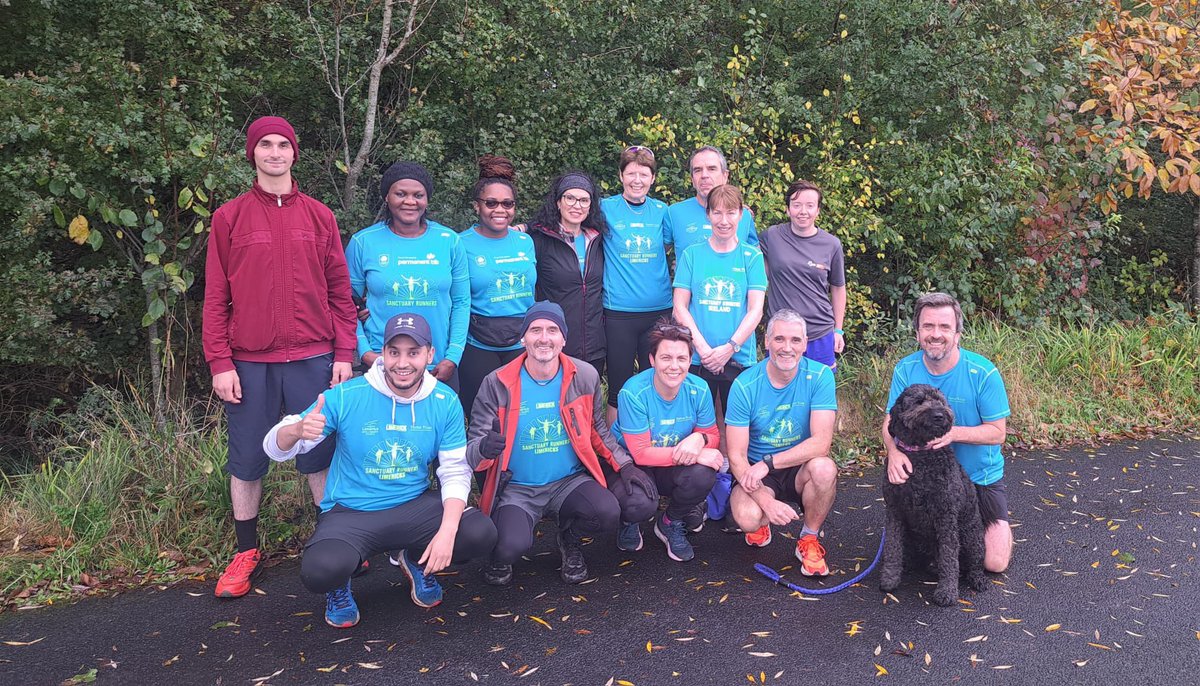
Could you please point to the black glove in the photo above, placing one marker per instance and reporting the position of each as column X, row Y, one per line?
column 631, row 475
column 492, row 444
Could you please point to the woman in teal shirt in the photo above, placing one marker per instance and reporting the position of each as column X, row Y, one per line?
column 410, row 263
column 720, row 286
column 637, row 283
column 503, row 274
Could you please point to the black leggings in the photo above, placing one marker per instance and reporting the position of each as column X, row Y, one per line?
column 345, row 537
column 719, row 385
column 686, row 486
column 628, row 335
column 476, row 364
column 589, row 510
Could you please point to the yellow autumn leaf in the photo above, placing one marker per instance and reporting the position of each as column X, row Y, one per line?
column 78, row 230
column 1054, row 627
column 328, row 669
column 649, row 647
column 879, row 670
column 541, row 621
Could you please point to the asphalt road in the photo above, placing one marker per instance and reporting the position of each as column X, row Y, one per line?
column 1103, row 589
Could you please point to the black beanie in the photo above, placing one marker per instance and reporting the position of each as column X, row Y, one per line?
column 544, row 310
column 406, row 170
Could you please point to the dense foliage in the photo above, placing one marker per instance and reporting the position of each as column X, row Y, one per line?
column 936, row 128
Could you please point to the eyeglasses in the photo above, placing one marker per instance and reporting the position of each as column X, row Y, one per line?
column 578, row 201
column 640, row 148
column 492, row 203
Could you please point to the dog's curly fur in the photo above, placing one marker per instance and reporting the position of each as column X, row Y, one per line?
column 935, row 514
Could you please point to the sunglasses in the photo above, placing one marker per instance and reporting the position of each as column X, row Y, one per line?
column 492, row 203
column 640, row 148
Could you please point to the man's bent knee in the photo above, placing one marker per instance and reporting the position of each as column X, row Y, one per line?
column 822, row 471
column 327, row 564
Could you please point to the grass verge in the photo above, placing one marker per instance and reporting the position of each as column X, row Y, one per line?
column 117, row 501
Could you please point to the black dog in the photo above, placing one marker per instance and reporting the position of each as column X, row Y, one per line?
column 935, row 514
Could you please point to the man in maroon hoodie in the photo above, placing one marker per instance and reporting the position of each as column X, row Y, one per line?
column 278, row 324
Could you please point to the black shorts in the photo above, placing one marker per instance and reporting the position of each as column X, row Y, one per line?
column 782, row 483
column 993, row 502
column 269, row 390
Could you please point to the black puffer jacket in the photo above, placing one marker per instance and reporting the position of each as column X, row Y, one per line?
column 580, row 295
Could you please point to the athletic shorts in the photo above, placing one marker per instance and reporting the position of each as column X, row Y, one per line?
column 993, row 502
column 782, row 483
column 821, row 350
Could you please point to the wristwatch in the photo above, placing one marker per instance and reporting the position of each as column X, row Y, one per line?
column 769, row 460
column 733, row 344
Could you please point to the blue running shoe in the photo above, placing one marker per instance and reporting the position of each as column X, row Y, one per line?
column 674, row 535
column 341, row 612
column 426, row 591
column 629, row 538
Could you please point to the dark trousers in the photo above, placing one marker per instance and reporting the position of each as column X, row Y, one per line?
column 345, row 537
column 588, row 510
column 476, row 364
column 628, row 335
column 686, row 486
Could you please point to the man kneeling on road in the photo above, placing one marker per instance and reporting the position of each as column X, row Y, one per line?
column 538, row 431
column 779, row 428
column 976, row 393
column 391, row 423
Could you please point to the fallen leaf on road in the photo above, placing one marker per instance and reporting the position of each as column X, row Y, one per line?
column 1054, row 627
column 879, row 670
column 38, row 640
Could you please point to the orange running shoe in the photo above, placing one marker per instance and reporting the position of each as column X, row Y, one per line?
column 812, row 556
column 760, row 538
column 235, row 582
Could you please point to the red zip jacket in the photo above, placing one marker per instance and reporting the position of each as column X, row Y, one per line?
column 580, row 404
column 276, row 284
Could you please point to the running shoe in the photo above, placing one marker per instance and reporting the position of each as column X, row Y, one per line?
column 812, row 556
column 694, row 520
column 426, row 591
column 362, row 569
column 629, row 538
column 341, row 612
column 760, row 538
column 674, row 536
column 496, row 574
column 235, row 580
column 574, row 567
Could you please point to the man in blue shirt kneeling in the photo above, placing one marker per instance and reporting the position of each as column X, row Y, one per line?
column 391, row 424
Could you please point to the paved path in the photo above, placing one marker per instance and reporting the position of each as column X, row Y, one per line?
column 1104, row 589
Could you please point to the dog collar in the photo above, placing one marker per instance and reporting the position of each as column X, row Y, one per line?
column 909, row 448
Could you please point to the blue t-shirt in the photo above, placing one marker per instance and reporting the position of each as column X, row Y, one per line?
column 426, row 275
column 687, row 223
column 636, row 278
column 542, row 452
column 779, row 417
column 719, row 283
column 640, row 409
column 503, row 275
column 383, row 448
column 581, row 251
column 975, row 392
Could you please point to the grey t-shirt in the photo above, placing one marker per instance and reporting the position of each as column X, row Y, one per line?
column 800, row 272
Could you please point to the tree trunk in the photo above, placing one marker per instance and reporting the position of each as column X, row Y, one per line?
column 1196, row 255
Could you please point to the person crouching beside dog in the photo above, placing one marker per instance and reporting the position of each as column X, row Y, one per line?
column 975, row 391
column 779, row 427
column 935, row 513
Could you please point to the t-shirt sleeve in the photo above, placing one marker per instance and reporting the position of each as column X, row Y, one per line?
column 756, row 273
column 668, row 232
column 747, row 221
column 683, row 271
column 632, row 417
column 740, row 405
column 460, row 301
column 837, row 265
column 706, row 416
column 454, row 435
column 354, row 262
column 993, row 397
column 899, row 383
column 824, row 392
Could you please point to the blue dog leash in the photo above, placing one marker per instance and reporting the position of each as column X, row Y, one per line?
column 775, row 576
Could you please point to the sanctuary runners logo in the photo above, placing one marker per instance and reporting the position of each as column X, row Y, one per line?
column 392, row 459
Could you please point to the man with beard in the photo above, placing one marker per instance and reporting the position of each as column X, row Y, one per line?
column 538, row 432
column 391, row 424
column 779, row 428
column 976, row 393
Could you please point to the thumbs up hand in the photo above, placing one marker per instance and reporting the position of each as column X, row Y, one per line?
column 493, row 443
column 313, row 424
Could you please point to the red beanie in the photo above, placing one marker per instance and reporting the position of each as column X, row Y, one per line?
column 267, row 125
